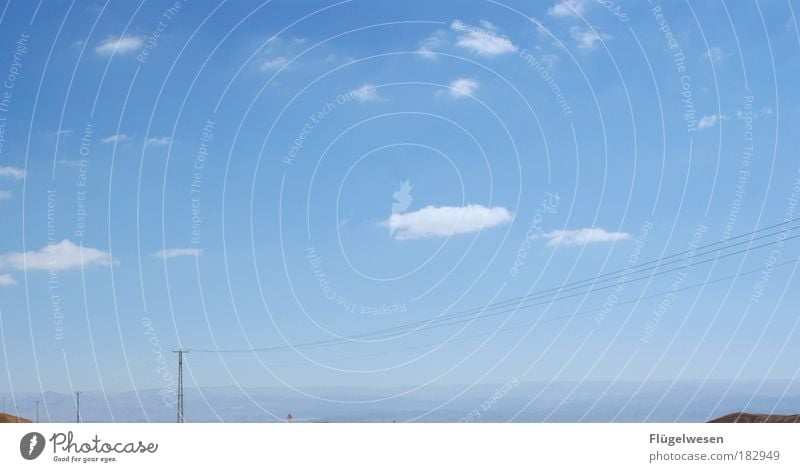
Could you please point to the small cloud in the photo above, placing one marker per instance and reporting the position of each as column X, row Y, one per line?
column 65, row 255
column 68, row 162
column 64, row 132
column 429, row 45
column 755, row 114
column 12, row 173
column 707, row 121
column 439, row 222
column 5, row 195
column 402, row 197
column 715, row 54
column 461, row 88
column 543, row 31
column 7, row 279
column 482, row 42
column 278, row 52
column 587, row 39
column 159, row 141
column 579, row 237
column 119, row 45
column 367, row 93
column 178, row 252
column 549, row 60
column 567, row 8
column 117, row 138
column 488, row 25
column 274, row 63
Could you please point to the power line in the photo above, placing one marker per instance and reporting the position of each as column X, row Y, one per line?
column 600, row 278
column 589, row 283
column 682, row 253
column 521, row 300
column 573, row 295
column 438, row 322
column 180, row 352
column 147, row 369
column 111, row 387
column 638, row 269
column 553, row 319
column 400, row 328
column 78, row 406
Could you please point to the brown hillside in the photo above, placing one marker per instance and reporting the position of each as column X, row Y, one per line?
column 6, row 418
column 756, row 418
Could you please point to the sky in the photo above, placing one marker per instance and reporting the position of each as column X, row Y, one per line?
column 260, row 175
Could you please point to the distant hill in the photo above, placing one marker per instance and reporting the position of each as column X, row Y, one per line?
column 560, row 401
column 756, row 418
column 6, row 418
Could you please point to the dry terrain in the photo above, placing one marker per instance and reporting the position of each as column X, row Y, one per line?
column 756, row 418
column 6, row 418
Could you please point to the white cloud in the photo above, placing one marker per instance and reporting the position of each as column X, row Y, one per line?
column 578, row 237
column 482, row 42
column 367, row 93
column 587, row 38
column 485, row 45
column 278, row 52
column 12, row 173
column 6, row 279
column 160, row 141
column 274, row 63
column 117, row 138
column 119, row 45
column 549, row 60
column 61, row 256
column 430, row 44
column 488, row 25
column 543, row 31
column 565, row 8
column 460, row 88
column 707, row 121
column 715, row 54
column 68, row 162
column 4, row 195
column 437, row 222
column 755, row 114
column 178, row 252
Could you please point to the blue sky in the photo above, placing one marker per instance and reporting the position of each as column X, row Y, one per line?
column 251, row 174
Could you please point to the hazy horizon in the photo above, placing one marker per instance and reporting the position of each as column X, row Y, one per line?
column 370, row 199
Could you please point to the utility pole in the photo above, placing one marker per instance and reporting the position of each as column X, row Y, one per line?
column 37, row 411
column 78, row 405
column 180, row 382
